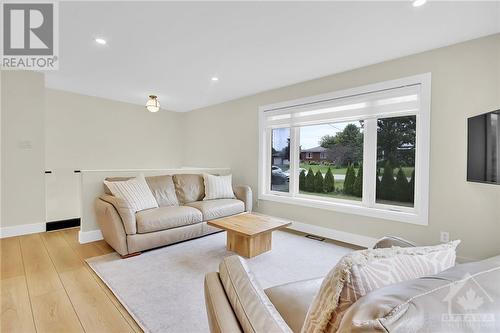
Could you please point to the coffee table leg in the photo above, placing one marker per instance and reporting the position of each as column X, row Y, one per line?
column 249, row 246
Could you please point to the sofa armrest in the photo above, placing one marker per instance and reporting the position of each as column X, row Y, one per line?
column 221, row 317
column 390, row 241
column 127, row 215
column 244, row 193
column 254, row 310
column 111, row 226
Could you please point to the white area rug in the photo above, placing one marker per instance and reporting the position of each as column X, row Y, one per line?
column 163, row 289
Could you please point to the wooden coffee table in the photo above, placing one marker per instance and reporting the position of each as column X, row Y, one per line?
column 249, row 234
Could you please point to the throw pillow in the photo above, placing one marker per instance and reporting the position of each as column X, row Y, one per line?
column 135, row 192
column 218, row 187
column 360, row 272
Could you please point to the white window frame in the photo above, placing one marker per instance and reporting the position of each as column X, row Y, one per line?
column 418, row 214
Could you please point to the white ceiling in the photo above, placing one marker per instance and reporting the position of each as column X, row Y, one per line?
column 173, row 49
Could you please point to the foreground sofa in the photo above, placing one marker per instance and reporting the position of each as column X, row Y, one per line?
column 236, row 303
column 181, row 214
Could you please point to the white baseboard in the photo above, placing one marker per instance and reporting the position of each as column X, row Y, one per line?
column 89, row 236
column 24, row 229
column 338, row 235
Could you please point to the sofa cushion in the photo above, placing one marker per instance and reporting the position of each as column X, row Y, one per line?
column 163, row 190
column 214, row 209
column 292, row 300
column 162, row 218
column 361, row 272
column 189, row 187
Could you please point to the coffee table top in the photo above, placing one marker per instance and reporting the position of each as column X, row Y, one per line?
column 249, row 224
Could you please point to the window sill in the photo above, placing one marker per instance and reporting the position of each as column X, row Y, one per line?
column 349, row 208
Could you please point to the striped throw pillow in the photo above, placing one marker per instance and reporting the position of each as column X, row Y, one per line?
column 135, row 192
column 361, row 272
column 218, row 187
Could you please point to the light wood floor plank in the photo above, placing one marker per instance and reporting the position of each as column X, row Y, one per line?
column 15, row 310
column 41, row 275
column 84, row 251
column 96, row 312
column 105, row 248
column 63, row 257
column 117, row 303
column 52, row 309
column 11, row 261
column 96, row 249
column 48, row 287
column 53, row 312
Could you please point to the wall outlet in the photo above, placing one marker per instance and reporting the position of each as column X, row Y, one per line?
column 444, row 237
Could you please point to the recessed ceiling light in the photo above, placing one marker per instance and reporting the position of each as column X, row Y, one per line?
column 100, row 41
column 215, row 79
column 418, row 3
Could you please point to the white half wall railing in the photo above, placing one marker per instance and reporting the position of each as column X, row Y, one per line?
column 92, row 187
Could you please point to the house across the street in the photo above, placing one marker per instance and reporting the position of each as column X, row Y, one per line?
column 313, row 154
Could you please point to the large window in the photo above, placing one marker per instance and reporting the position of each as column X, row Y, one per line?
column 362, row 151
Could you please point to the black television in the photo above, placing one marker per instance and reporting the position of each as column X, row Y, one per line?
column 483, row 148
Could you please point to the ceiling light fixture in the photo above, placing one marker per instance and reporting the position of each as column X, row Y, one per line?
column 100, row 41
column 215, row 79
column 153, row 105
column 418, row 3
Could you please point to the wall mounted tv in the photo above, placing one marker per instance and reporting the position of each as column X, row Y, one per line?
column 483, row 148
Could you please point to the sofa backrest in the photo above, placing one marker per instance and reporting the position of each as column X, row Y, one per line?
column 189, row 187
column 163, row 190
column 162, row 187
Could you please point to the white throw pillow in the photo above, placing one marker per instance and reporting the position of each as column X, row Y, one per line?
column 218, row 187
column 135, row 192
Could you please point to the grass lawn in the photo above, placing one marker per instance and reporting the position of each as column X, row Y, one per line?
column 339, row 186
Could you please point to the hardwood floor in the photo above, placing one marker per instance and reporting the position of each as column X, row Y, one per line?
column 46, row 286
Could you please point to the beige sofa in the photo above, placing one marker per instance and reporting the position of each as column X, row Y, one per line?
column 181, row 215
column 236, row 303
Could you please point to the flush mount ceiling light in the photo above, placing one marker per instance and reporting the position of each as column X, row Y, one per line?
column 418, row 3
column 153, row 105
column 100, row 41
column 215, row 79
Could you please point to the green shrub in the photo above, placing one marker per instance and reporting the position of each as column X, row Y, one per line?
column 310, row 181
column 411, row 187
column 302, row 180
column 358, row 183
column 318, row 182
column 329, row 184
column 387, row 182
column 401, row 187
column 350, row 178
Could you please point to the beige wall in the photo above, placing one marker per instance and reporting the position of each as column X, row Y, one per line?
column 22, row 133
column 84, row 132
column 465, row 82
column 44, row 129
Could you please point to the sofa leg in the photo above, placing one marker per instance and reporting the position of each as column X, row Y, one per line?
column 131, row 255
